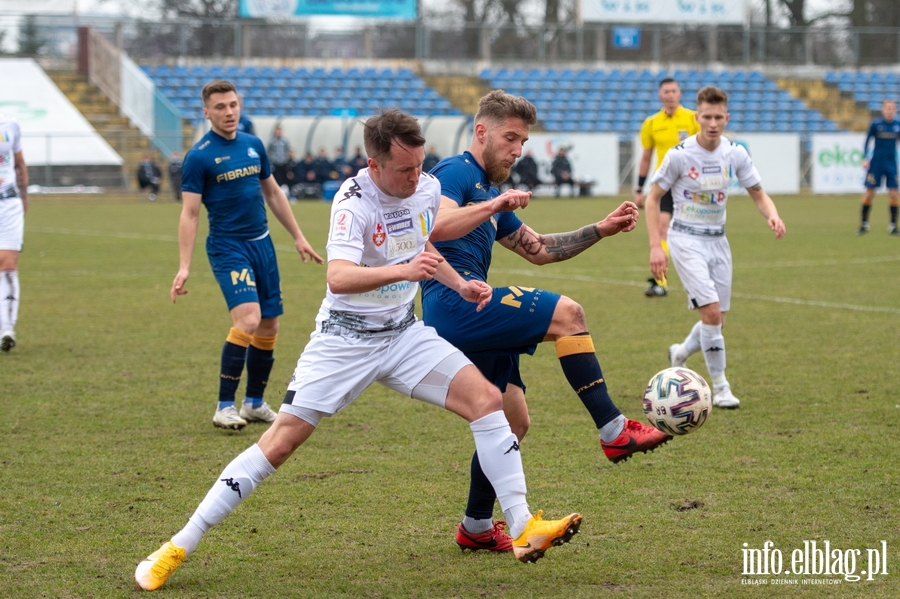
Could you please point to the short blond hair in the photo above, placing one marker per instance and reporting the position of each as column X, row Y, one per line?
column 497, row 106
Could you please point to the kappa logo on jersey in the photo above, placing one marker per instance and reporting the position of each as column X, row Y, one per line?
column 352, row 191
column 379, row 235
column 252, row 153
column 396, row 214
column 243, row 277
column 693, row 173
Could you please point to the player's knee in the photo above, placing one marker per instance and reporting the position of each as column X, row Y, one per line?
column 520, row 426
column 569, row 317
column 486, row 400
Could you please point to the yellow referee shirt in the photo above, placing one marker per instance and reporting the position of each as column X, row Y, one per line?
column 663, row 132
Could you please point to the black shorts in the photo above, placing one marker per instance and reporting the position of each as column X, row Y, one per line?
column 666, row 203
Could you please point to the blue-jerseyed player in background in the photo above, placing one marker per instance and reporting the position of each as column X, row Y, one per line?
column 229, row 173
column 881, row 164
column 473, row 215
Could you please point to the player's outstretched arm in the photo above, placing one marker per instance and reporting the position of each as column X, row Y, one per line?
column 766, row 207
column 454, row 221
column 281, row 208
column 187, row 235
column 658, row 259
column 556, row 247
column 477, row 292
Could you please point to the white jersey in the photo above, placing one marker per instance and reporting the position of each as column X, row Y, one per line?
column 10, row 144
column 699, row 181
column 372, row 229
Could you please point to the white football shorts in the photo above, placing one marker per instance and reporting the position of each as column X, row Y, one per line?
column 704, row 267
column 12, row 224
column 333, row 371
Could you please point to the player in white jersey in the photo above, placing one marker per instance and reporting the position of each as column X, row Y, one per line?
column 367, row 332
column 13, row 204
column 698, row 172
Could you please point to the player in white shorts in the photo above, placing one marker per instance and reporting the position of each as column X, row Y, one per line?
column 698, row 172
column 13, row 204
column 366, row 332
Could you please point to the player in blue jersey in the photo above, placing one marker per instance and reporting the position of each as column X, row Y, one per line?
column 229, row 173
column 881, row 165
column 473, row 215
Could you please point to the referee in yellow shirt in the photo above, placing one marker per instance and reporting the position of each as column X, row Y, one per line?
column 661, row 132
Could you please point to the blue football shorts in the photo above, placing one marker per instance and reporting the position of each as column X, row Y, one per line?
column 247, row 271
column 513, row 323
column 882, row 169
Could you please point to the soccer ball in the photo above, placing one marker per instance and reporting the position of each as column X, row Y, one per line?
column 677, row 401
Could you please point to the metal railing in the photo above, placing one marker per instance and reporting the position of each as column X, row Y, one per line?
column 187, row 39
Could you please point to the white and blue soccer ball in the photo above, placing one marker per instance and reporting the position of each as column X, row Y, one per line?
column 677, row 401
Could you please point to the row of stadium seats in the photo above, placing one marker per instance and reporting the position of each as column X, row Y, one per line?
column 868, row 88
column 304, row 92
column 624, row 98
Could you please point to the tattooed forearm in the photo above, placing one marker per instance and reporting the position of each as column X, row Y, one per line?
column 562, row 246
column 557, row 246
column 756, row 187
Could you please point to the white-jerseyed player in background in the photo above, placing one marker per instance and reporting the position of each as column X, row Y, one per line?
column 367, row 332
column 698, row 171
column 13, row 204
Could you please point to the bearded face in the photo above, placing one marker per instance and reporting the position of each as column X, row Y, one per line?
column 496, row 166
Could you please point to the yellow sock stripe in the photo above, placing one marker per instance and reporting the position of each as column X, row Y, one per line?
column 264, row 342
column 239, row 337
column 665, row 246
column 568, row 346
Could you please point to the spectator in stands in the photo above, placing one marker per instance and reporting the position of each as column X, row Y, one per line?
column 561, row 169
column 310, row 188
column 175, row 164
column 527, row 170
column 347, row 172
column 323, row 167
column 359, row 161
column 13, row 205
column 431, row 159
column 881, row 165
column 662, row 131
column 303, row 168
column 279, row 155
column 245, row 125
column 339, row 160
column 291, row 174
column 148, row 175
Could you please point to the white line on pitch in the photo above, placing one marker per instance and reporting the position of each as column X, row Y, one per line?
column 778, row 300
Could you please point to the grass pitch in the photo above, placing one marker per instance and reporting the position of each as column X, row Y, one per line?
column 107, row 445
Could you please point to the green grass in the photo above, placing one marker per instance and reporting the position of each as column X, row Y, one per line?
column 106, row 444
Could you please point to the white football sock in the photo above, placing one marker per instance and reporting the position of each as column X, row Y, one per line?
column 713, row 345
column 691, row 344
column 9, row 299
column 477, row 525
column 237, row 481
column 498, row 453
column 611, row 430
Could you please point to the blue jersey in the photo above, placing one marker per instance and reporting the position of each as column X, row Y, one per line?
column 885, row 133
column 227, row 174
column 465, row 182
